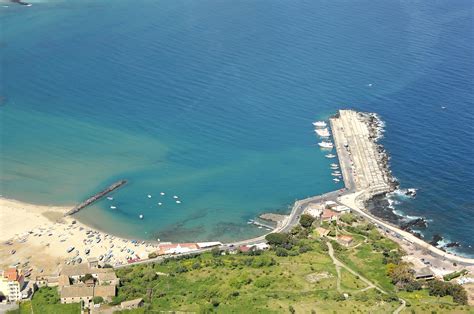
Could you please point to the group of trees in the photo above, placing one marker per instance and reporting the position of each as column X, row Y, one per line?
column 441, row 289
column 403, row 277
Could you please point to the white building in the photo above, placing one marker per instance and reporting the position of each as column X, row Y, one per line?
column 341, row 209
column 11, row 284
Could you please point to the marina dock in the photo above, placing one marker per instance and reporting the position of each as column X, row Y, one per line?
column 96, row 197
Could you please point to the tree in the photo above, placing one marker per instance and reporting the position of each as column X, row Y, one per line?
column 87, row 277
column 306, row 220
column 215, row 252
column 348, row 218
column 152, row 255
column 97, row 300
column 440, row 288
column 291, row 309
column 277, row 238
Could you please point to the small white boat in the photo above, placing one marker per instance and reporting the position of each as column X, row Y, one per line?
column 175, row 197
column 336, row 180
column 334, row 165
column 335, row 174
column 149, row 195
column 330, row 156
column 140, row 216
column 159, row 204
column 178, row 202
column 113, row 207
column 110, row 198
column 325, row 144
column 320, row 124
column 323, row 132
column 162, row 193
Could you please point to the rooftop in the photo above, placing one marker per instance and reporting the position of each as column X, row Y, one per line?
column 104, row 291
column 134, row 302
column 328, row 214
column 11, row 274
column 77, row 291
column 106, row 276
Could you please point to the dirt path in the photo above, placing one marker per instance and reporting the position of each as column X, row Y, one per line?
column 338, row 264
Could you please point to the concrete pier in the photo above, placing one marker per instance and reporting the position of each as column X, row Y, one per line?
column 362, row 163
column 96, row 197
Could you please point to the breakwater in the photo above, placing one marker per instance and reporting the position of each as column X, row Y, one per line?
column 96, row 197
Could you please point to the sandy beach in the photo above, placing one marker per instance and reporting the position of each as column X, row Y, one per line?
column 39, row 237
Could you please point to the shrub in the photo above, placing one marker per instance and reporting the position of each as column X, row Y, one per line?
column 263, row 282
column 152, row 255
column 304, row 248
column 281, row 252
column 215, row 252
column 117, row 300
column 97, row 300
column 180, row 269
column 277, row 238
column 87, row 277
column 306, row 220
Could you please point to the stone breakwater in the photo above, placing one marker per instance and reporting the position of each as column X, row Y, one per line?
column 376, row 129
column 96, row 197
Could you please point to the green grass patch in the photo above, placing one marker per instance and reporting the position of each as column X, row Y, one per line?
column 368, row 263
column 46, row 301
column 421, row 302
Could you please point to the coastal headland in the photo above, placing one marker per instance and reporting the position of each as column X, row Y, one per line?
column 43, row 237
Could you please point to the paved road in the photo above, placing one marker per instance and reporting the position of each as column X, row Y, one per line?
column 349, row 200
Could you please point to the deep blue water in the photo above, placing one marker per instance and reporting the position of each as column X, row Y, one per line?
column 213, row 101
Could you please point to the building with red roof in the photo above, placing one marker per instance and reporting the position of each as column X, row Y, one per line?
column 11, row 284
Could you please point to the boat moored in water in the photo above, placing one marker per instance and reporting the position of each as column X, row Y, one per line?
column 330, row 156
column 322, row 132
column 325, row 144
column 320, row 124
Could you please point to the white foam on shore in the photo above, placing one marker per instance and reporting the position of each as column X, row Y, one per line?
column 419, row 231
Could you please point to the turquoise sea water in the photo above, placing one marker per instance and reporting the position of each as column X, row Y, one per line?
column 213, row 101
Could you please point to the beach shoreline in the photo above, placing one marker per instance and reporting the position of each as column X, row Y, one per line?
column 40, row 237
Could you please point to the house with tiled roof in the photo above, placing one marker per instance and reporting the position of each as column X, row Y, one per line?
column 329, row 215
column 345, row 240
column 74, row 286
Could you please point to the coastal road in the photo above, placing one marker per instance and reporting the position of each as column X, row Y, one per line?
column 350, row 200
